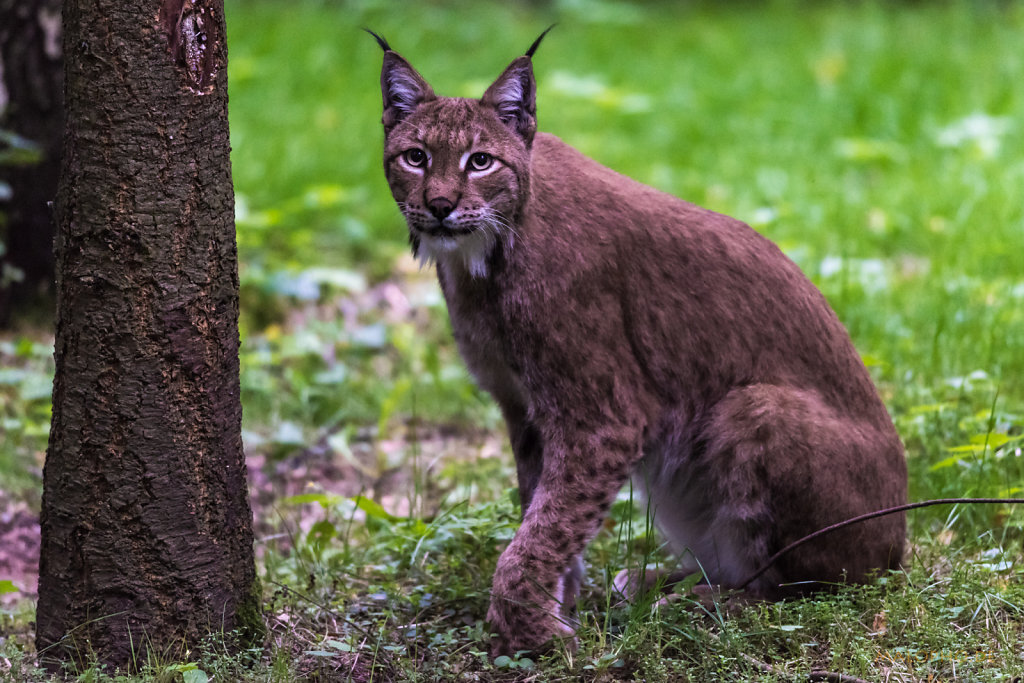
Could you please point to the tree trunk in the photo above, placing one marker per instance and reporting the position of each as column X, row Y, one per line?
column 30, row 106
column 146, row 527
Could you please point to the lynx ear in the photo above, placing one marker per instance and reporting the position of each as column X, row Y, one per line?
column 402, row 87
column 514, row 94
column 514, row 97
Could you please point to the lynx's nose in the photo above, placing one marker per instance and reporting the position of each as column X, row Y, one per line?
column 440, row 207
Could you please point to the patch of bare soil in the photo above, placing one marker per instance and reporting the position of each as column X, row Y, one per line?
column 381, row 470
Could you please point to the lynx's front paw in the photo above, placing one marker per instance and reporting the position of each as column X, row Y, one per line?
column 525, row 615
column 517, row 628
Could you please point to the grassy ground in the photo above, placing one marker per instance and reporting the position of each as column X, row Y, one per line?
column 880, row 145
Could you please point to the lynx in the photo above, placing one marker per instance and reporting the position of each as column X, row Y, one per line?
column 629, row 335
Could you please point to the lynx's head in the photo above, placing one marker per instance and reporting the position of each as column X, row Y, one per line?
column 459, row 168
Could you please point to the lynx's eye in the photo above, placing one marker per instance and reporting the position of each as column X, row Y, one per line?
column 481, row 161
column 415, row 157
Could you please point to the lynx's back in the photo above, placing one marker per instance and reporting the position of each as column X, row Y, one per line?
column 711, row 302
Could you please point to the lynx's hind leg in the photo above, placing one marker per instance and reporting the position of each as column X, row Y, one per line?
column 819, row 466
column 767, row 466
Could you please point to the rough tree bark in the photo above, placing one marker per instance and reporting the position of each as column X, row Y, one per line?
column 30, row 106
column 146, row 526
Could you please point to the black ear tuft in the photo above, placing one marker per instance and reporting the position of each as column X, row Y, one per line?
column 536, row 43
column 387, row 48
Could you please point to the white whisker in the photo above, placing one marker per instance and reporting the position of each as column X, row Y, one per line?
column 502, row 226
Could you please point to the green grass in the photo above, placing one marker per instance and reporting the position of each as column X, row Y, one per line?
column 880, row 145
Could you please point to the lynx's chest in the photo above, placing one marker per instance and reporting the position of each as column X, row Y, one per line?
column 479, row 328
